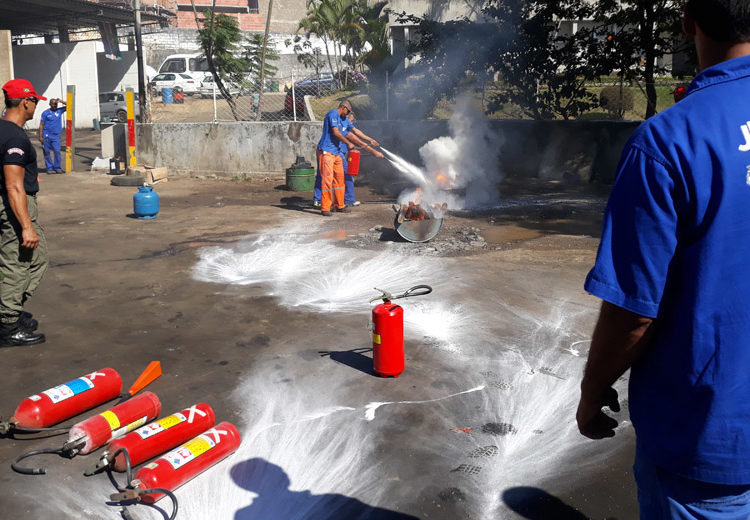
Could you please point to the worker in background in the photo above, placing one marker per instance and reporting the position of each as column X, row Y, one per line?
column 672, row 273
column 330, row 164
column 357, row 137
column 23, row 246
column 50, row 128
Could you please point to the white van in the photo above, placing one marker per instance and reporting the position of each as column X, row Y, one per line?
column 193, row 64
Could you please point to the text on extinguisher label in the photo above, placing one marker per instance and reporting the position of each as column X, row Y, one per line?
column 194, row 448
column 128, row 428
column 161, row 425
column 68, row 390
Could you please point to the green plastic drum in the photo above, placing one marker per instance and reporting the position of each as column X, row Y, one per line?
column 300, row 180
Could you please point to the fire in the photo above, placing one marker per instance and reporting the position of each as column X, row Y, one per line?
column 442, row 181
column 415, row 211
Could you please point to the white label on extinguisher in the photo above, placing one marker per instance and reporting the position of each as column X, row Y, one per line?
column 160, row 425
column 68, row 390
column 35, row 397
column 128, row 428
column 190, row 450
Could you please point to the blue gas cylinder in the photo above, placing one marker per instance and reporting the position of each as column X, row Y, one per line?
column 146, row 202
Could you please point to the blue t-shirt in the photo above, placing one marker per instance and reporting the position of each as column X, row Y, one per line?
column 675, row 246
column 328, row 142
column 52, row 120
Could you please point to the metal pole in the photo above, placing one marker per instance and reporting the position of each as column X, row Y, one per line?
column 387, row 87
column 263, row 58
column 216, row 118
column 294, row 99
column 145, row 111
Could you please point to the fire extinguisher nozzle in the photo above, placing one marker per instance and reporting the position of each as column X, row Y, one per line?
column 128, row 494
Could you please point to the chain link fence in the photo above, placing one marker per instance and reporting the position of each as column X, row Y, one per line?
column 283, row 98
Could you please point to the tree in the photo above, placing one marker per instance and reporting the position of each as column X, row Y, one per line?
column 639, row 34
column 253, row 53
column 544, row 71
column 219, row 39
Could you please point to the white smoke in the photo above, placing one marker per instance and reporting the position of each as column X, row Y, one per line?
column 462, row 169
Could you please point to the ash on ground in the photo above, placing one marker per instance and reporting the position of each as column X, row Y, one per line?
column 450, row 241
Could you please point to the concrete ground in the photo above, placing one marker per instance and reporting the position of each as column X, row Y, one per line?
column 256, row 304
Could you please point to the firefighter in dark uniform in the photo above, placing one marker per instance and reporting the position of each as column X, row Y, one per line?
column 23, row 246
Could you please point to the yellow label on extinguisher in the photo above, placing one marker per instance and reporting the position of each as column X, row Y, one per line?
column 376, row 338
column 112, row 419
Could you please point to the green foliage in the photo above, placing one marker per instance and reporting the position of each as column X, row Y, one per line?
column 219, row 38
column 253, row 52
column 636, row 35
column 616, row 100
column 360, row 28
column 520, row 43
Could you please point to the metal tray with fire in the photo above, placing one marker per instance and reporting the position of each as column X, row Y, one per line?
column 417, row 223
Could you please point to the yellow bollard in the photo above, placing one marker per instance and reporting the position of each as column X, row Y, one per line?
column 131, row 126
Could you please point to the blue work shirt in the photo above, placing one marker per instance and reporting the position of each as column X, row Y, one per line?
column 328, row 142
column 675, row 246
column 346, row 127
column 52, row 120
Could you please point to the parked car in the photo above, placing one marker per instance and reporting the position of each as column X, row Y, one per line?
column 299, row 97
column 322, row 82
column 193, row 64
column 206, row 89
column 113, row 106
column 163, row 80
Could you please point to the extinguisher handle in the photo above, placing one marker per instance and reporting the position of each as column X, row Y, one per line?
column 418, row 290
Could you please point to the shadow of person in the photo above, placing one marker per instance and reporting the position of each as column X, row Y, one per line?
column 537, row 504
column 276, row 500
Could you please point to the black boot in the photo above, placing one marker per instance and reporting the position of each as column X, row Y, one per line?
column 22, row 337
column 14, row 334
column 27, row 322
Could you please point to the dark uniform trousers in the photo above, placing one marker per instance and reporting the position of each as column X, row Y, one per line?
column 21, row 268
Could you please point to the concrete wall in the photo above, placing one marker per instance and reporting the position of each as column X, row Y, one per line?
column 6, row 57
column 117, row 74
column 572, row 151
column 50, row 68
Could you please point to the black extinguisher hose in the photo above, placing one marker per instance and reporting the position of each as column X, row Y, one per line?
column 33, row 471
column 129, row 475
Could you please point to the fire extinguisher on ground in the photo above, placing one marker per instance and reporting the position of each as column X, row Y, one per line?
column 388, row 358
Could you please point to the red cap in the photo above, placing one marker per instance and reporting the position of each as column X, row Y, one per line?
column 20, row 88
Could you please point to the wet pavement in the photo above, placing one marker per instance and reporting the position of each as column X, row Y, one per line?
column 256, row 304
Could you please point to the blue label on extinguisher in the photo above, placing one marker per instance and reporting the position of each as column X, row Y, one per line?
column 68, row 390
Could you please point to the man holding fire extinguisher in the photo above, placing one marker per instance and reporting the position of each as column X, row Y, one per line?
column 346, row 127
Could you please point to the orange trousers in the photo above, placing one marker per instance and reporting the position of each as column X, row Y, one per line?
column 332, row 180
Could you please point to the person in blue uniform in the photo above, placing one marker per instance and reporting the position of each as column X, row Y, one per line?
column 50, row 128
column 672, row 271
column 357, row 137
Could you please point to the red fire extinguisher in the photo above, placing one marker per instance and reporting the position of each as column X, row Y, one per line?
column 94, row 432
column 161, row 477
column 155, row 438
column 388, row 357
column 39, row 411
column 352, row 168
column 64, row 401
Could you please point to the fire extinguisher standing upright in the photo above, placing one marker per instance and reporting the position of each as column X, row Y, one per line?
column 388, row 356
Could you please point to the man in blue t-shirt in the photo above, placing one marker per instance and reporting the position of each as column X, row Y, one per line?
column 357, row 137
column 50, row 128
column 672, row 271
column 330, row 164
